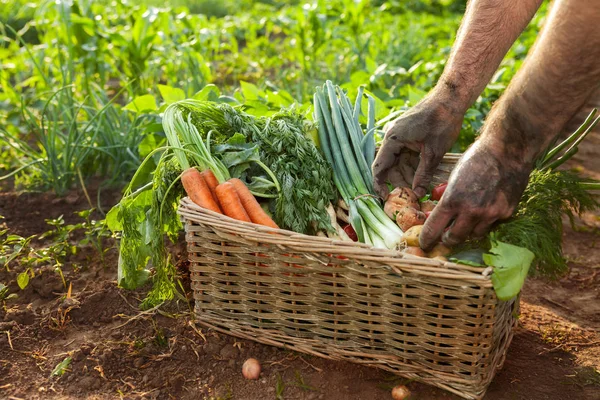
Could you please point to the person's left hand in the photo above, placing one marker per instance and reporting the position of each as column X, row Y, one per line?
column 485, row 187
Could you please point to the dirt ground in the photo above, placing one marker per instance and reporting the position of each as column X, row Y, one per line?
column 119, row 352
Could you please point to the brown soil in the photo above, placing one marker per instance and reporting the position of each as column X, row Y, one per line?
column 119, row 352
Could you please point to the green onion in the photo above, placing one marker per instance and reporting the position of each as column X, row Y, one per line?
column 350, row 152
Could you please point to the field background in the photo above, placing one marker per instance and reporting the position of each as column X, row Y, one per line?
column 82, row 85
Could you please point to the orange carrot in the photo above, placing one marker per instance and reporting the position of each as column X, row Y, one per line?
column 212, row 182
column 198, row 191
column 230, row 202
column 254, row 210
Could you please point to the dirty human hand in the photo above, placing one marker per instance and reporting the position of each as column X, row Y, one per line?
column 546, row 92
column 429, row 129
column 485, row 187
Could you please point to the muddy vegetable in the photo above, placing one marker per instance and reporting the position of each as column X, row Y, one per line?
column 438, row 250
column 399, row 198
column 427, row 206
column 415, row 251
column 407, row 217
column 411, row 236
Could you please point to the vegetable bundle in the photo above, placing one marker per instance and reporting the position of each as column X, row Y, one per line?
column 273, row 158
column 351, row 153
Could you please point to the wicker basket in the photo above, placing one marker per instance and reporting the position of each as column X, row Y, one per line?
column 435, row 322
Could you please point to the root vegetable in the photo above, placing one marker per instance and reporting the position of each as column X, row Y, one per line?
column 351, row 232
column 415, row 251
column 438, row 191
column 251, row 369
column 251, row 205
column 441, row 258
column 400, row 392
column 439, row 249
column 399, row 198
column 407, row 217
column 212, row 182
column 411, row 236
column 427, row 205
column 198, row 191
column 230, row 202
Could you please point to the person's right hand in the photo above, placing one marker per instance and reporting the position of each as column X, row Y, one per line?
column 429, row 129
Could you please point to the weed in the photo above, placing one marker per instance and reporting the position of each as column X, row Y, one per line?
column 279, row 387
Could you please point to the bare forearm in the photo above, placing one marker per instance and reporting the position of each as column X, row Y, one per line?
column 487, row 31
column 557, row 77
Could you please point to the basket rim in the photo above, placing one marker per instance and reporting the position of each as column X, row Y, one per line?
column 188, row 210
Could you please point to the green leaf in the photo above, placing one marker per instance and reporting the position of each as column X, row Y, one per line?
column 112, row 219
column 141, row 104
column 473, row 258
column 23, row 280
column 209, row 92
column 61, row 367
column 171, row 94
column 250, row 91
column 149, row 144
column 511, row 264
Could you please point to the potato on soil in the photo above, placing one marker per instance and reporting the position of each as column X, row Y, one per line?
column 415, row 251
column 399, row 198
column 439, row 249
column 427, row 205
column 400, row 392
column 408, row 217
column 251, row 369
column 411, row 236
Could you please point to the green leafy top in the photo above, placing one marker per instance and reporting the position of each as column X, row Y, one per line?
column 511, row 264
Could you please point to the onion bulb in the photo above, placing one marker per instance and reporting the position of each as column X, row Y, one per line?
column 400, row 392
column 251, row 369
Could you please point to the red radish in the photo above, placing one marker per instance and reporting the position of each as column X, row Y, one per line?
column 438, row 191
column 351, row 232
column 427, row 214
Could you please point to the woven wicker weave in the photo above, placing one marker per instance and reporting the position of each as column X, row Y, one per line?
column 435, row 322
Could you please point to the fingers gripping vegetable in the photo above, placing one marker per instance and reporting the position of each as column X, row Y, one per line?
column 472, row 205
column 429, row 129
column 252, row 207
column 197, row 189
column 230, row 202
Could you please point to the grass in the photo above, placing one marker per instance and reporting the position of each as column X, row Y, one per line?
column 69, row 69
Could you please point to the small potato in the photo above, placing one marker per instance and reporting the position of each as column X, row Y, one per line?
column 415, row 251
column 427, row 205
column 400, row 392
column 408, row 217
column 411, row 236
column 398, row 198
column 439, row 249
column 392, row 209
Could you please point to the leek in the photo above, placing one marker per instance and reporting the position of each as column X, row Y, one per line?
column 350, row 152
